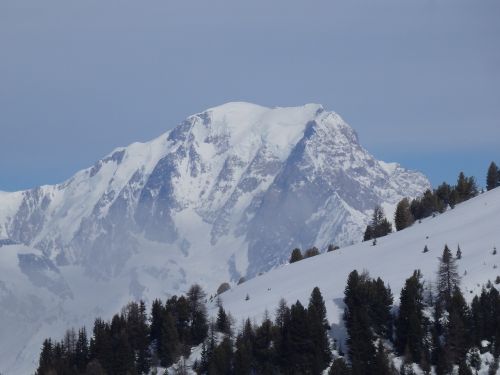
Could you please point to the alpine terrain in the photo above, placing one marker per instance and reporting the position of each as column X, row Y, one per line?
column 226, row 194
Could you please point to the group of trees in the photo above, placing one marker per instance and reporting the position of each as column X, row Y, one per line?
column 433, row 327
column 439, row 330
column 296, row 342
column 379, row 226
column 433, row 201
column 297, row 254
column 131, row 342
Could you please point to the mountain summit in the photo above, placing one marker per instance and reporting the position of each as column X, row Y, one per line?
column 233, row 188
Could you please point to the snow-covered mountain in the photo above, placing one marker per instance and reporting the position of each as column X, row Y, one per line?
column 225, row 194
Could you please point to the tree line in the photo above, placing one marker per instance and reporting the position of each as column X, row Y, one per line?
column 132, row 342
column 438, row 200
column 433, row 327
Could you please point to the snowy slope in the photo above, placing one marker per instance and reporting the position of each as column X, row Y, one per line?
column 225, row 194
column 474, row 224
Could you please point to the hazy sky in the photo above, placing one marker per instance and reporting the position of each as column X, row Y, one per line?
column 419, row 80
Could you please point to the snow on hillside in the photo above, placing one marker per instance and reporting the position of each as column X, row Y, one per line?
column 474, row 224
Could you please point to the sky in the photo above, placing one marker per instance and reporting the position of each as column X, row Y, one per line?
column 418, row 80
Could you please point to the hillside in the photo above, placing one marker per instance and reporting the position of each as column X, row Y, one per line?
column 474, row 224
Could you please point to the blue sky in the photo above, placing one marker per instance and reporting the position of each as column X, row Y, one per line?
column 418, row 80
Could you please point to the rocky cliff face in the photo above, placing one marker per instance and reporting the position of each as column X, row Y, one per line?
column 256, row 179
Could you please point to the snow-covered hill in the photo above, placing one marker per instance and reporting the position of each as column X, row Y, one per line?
column 474, row 225
column 227, row 193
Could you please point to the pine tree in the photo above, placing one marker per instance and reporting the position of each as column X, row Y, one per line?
column 82, row 350
column 296, row 255
column 444, row 196
column 410, row 323
column 264, row 352
column 358, row 323
column 243, row 357
column 198, row 314
column 222, row 358
column 100, row 344
column 448, row 278
column 492, row 177
column 429, row 204
column 403, row 217
column 456, row 333
column 466, row 188
column 318, row 326
column 459, row 253
column 123, row 357
column 282, row 334
column 170, row 345
column 45, row 362
column 380, row 303
column 222, row 323
column 379, row 225
column 156, row 324
column 142, row 341
column 313, row 251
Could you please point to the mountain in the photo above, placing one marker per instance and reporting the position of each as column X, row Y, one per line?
column 225, row 194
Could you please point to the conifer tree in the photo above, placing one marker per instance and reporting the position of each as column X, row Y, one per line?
column 263, row 347
column 157, row 311
column 357, row 320
column 379, row 225
column 222, row 358
column 492, row 177
column 456, row 333
column 403, row 217
column 318, row 326
column 82, row 350
column 170, row 345
column 222, row 323
column 46, row 358
column 243, row 357
column 466, row 188
column 444, row 196
column 100, row 344
column 198, row 314
column 410, row 323
column 448, row 278
column 296, row 255
column 311, row 252
column 380, row 303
